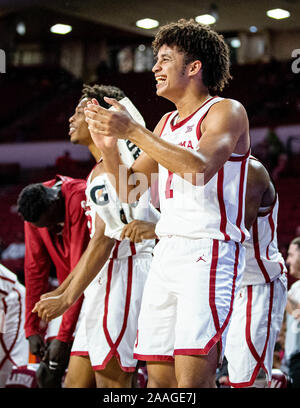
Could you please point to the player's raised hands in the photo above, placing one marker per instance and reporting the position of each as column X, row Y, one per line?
column 107, row 126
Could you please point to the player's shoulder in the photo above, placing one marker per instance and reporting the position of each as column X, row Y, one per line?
column 228, row 105
column 73, row 189
column 257, row 168
column 73, row 185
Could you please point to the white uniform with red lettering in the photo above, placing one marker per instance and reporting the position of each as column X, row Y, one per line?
column 112, row 300
column 14, row 348
column 197, row 264
column 259, row 306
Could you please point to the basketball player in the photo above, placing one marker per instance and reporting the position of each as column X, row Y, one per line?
column 292, row 335
column 202, row 153
column 14, row 350
column 259, row 306
column 106, row 335
column 55, row 233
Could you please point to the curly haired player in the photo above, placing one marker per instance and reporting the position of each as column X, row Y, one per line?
column 201, row 151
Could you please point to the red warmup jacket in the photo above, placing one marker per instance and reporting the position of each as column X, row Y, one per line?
column 64, row 251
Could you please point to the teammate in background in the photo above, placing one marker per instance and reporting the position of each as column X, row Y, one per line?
column 259, row 306
column 292, row 335
column 14, row 350
column 197, row 264
column 55, row 233
column 106, row 335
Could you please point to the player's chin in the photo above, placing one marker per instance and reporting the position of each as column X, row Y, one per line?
column 161, row 90
column 74, row 139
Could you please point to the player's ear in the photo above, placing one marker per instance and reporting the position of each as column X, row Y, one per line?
column 194, row 67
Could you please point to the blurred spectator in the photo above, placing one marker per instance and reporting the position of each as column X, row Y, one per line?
column 269, row 150
column 280, row 167
column 261, row 151
column 291, row 361
column 65, row 164
column 276, row 147
column 15, row 250
column 125, row 60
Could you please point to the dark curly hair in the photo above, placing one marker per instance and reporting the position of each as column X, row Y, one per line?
column 198, row 42
column 34, row 200
column 99, row 91
column 296, row 241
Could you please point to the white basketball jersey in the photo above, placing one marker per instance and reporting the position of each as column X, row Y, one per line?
column 8, row 281
column 264, row 262
column 101, row 199
column 214, row 210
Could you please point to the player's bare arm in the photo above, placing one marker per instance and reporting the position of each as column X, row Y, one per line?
column 138, row 230
column 61, row 288
column 91, row 262
column 225, row 130
column 260, row 191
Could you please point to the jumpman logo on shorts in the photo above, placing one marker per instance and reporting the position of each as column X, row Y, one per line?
column 201, row 258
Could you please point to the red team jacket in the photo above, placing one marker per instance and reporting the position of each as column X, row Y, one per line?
column 64, row 251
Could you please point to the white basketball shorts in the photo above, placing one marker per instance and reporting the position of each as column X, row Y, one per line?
column 188, row 297
column 112, row 305
column 256, row 321
column 14, row 348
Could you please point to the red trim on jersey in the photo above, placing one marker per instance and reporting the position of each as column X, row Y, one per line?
column 269, row 210
column 223, row 221
column 109, row 276
column 198, row 128
column 182, row 122
column 116, row 249
column 257, row 252
column 126, row 369
column 79, row 353
column 259, row 359
column 7, row 279
column 148, row 357
column 4, row 292
column 272, row 226
column 133, row 249
column 4, row 305
column 241, row 200
column 113, row 351
column 167, row 118
column 212, row 283
column 6, row 350
column 281, row 268
column 127, row 303
column 240, row 158
column 218, row 336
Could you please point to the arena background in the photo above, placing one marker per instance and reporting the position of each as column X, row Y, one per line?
column 42, row 75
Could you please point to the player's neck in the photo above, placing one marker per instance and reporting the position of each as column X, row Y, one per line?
column 190, row 103
column 95, row 152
